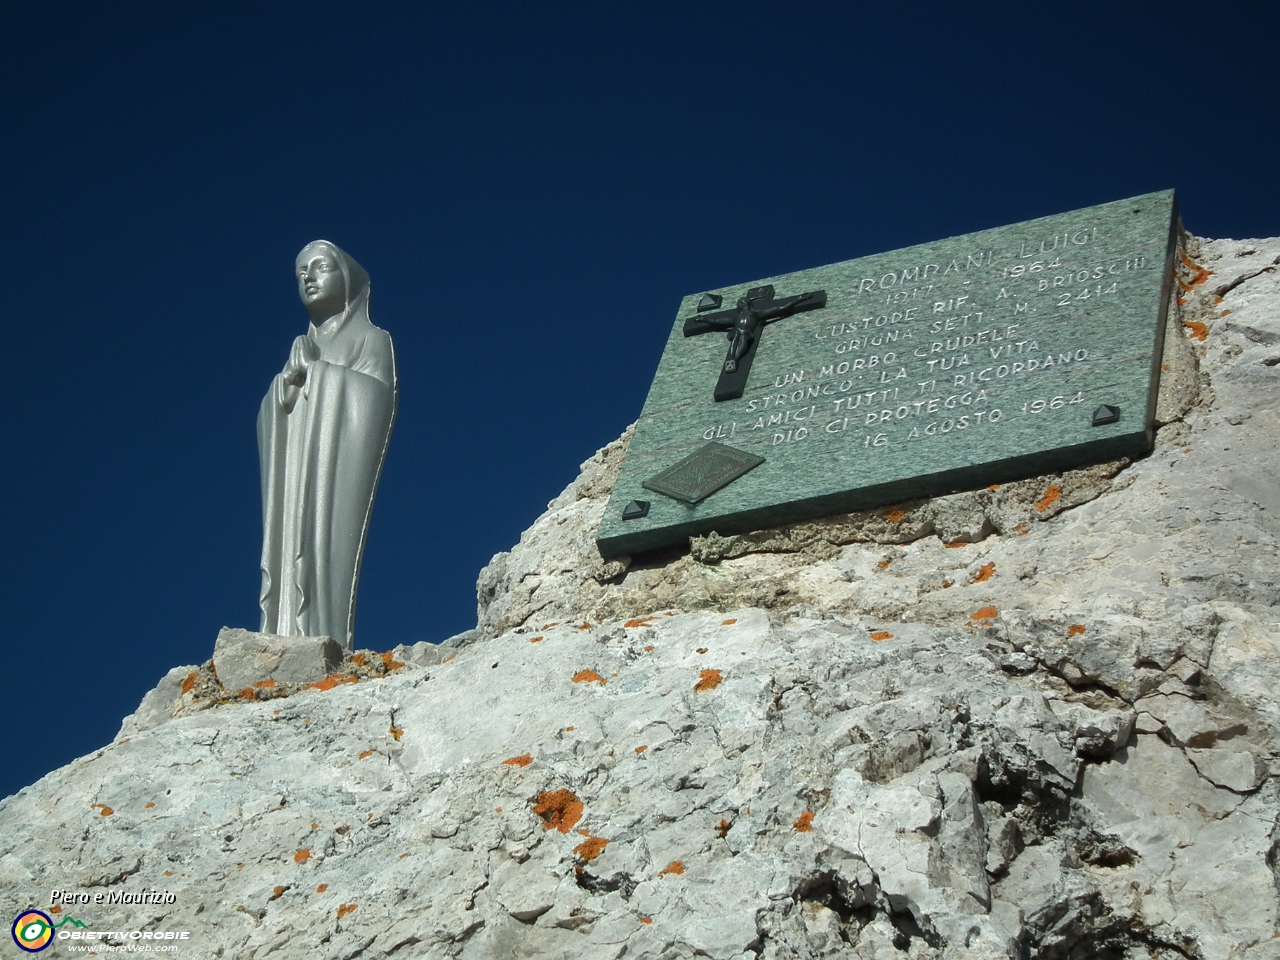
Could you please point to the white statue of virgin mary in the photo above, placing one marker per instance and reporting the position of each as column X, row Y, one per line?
column 323, row 430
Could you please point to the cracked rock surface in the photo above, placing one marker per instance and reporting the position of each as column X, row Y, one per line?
column 1037, row 721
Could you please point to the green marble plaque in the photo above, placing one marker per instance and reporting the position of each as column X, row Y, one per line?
column 960, row 363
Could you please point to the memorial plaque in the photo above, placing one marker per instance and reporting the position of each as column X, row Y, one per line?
column 945, row 366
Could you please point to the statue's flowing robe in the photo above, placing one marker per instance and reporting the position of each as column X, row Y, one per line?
column 320, row 460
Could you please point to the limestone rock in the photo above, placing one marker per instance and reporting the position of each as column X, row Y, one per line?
column 242, row 658
column 159, row 704
column 422, row 653
column 1031, row 722
column 1237, row 770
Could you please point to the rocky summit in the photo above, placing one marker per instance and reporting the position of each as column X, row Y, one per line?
column 1036, row 720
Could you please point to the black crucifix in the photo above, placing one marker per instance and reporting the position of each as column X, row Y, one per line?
column 744, row 324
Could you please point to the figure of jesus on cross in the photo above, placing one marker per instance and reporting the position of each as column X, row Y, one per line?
column 744, row 323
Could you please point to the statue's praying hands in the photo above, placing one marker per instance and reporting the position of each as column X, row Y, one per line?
column 304, row 352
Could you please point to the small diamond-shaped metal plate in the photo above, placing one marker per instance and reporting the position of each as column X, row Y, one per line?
column 703, row 472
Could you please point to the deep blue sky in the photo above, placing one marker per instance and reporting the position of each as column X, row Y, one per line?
column 532, row 187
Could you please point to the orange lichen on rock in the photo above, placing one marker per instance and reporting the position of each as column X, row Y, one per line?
column 708, row 680
column 365, row 753
column 1050, row 497
column 955, row 544
column 521, row 761
column 589, row 676
column 452, row 656
column 267, row 684
column 702, row 649
column 55, row 909
column 805, row 823
column 570, row 729
column 1075, row 629
column 345, row 908
column 331, row 681
column 102, row 808
column 591, row 848
column 189, row 682
column 883, row 564
column 723, row 828
column 894, row 516
column 322, row 888
column 675, row 867
column 390, row 662
column 642, row 748
column 537, row 639
column 649, row 648
column 1196, row 330
column 559, row 809
column 946, row 584
column 986, row 613
column 358, row 659
column 396, row 733
column 985, row 573
column 646, row 919
column 639, row 622
column 728, row 623
column 278, row 892
column 878, row 635
column 1200, row 276
column 584, row 625
column 994, row 487
column 302, row 856
column 149, row 806
column 1022, row 528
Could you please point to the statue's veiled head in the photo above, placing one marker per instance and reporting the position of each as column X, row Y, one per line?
column 329, row 280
